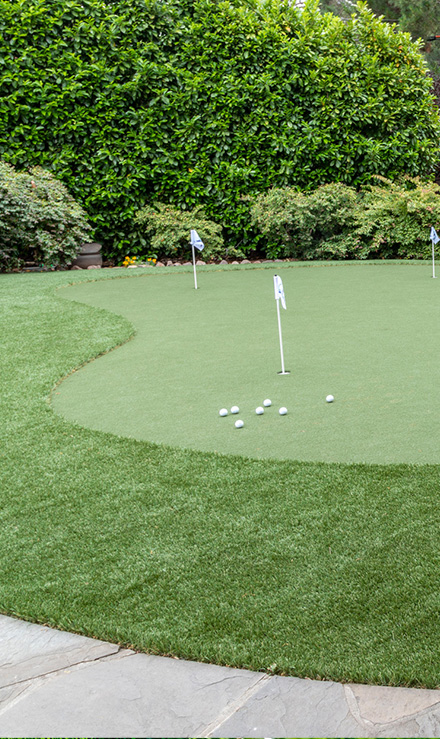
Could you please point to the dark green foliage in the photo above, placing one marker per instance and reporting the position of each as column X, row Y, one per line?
column 421, row 18
column 39, row 220
column 168, row 230
column 198, row 103
column 383, row 220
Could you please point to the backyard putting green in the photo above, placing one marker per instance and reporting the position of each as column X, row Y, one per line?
column 365, row 333
column 301, row 568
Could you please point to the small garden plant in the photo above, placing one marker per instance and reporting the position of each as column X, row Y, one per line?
column 168, row 230
column 39, row 220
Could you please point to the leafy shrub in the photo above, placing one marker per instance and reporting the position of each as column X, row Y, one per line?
column 168, row 230
column 39, row 220
column 306, row 225
column 384, row 220
column 394, row 219
column 200, row 102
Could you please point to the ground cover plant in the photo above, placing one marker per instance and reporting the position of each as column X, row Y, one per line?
column 197, row 103
column 311, row 569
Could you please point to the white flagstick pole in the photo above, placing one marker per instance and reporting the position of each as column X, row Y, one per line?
column 433, row 260
column 194, row 265
column 283, row 372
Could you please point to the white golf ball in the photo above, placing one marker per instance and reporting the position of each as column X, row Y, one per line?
column 259, row 411
column 329, row 398
column 235, row 409
column 223, row 412
column 282, row 411
column 267, row 403
column 239, row 424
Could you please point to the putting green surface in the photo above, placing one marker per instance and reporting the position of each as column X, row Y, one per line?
column 367, row 334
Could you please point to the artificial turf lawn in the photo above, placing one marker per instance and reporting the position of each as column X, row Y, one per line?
column 309, row 569
column 363, row 333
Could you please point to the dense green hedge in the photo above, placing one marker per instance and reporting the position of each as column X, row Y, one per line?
column 202, row 101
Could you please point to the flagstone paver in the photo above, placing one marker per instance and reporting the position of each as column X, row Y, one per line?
column 56, row 684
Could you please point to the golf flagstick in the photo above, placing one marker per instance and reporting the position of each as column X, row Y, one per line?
column 435, row 238
column 194, row 267
column 279, row 295
column 196, row 243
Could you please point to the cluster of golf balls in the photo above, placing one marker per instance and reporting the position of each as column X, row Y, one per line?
column 260, row 410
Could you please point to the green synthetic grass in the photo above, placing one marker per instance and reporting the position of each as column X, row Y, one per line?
column 364, row 333
column 309, row 569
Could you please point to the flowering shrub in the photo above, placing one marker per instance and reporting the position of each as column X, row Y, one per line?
column 133, row 261
column 129, row 261
column 39, row 220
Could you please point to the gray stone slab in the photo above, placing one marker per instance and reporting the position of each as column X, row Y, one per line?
column 425, row 725
column 290, row 707
column 137, row 696
column 56, row 684
column 10, row 694
column 382, row 705
column 395, row 712
column 28, row 650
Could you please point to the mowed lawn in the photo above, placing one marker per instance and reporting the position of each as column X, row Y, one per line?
column 319, row 569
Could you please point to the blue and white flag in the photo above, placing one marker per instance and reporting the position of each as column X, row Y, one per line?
column 435, row 238
column 279, row 290
column 196, row 240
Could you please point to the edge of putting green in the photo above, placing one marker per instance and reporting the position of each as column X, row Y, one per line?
column 123, row 273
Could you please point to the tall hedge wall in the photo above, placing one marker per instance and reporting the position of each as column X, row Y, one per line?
column 203, row 101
